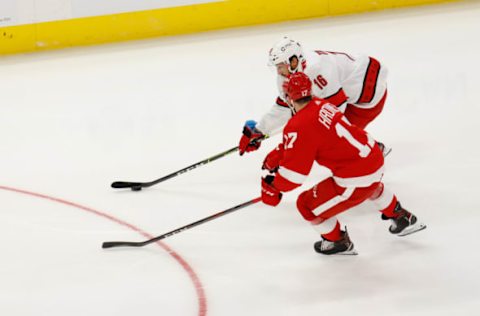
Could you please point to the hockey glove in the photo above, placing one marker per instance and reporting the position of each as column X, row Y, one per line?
column 270, row 195
column 250, row 140
column 272, row 161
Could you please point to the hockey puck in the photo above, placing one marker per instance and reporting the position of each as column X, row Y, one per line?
column 136, row 188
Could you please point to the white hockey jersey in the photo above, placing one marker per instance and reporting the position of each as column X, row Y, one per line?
column 339, row 78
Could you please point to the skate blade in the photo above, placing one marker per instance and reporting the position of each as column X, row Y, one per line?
column 352, row 252
column 349, row 252
column 386, row 151
column 412, row 229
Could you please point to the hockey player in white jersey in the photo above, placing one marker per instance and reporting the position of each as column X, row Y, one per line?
column 356, row 84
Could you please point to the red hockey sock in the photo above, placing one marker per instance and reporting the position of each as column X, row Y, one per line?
column 389, row 210
column 335, row 234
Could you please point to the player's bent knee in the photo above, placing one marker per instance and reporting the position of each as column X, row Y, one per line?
column 303, row 206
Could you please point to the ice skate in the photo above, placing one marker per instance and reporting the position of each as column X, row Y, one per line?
column 344, row 246
column 385, row 150
column 405, row 224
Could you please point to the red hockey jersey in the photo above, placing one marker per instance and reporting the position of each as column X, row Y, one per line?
column 319, row 132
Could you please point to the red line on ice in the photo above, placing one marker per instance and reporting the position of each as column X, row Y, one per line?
column 202, row 301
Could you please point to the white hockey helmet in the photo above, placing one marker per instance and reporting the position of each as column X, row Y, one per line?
column 283, row 51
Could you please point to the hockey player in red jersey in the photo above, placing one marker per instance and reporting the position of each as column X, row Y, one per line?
column 356, row 84
column 318, row 132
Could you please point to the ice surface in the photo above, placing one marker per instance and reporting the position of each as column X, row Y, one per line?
column 73, row 121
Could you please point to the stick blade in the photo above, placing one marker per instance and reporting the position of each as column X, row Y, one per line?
column 113, row 244
column 125, row 184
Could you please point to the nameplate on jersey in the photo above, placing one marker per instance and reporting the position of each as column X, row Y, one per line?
column 326, row 114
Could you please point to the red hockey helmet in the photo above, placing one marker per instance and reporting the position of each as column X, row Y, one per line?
column 298, row 86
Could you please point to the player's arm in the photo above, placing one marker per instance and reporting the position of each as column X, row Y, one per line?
column 276, row 118
column 279, row 113
column 299, row 150
column 272, row 121
column 294, row 159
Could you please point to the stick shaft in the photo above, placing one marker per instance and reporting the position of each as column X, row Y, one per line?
column 195, row 165
column 112, row 244
column 129, row 184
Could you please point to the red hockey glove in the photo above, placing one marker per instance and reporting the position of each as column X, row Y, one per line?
column 270, row 194
column 272, row 161
column 250, row 138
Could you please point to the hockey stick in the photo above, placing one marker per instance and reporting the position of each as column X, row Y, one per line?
column 112, row 244
column 137, row 186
